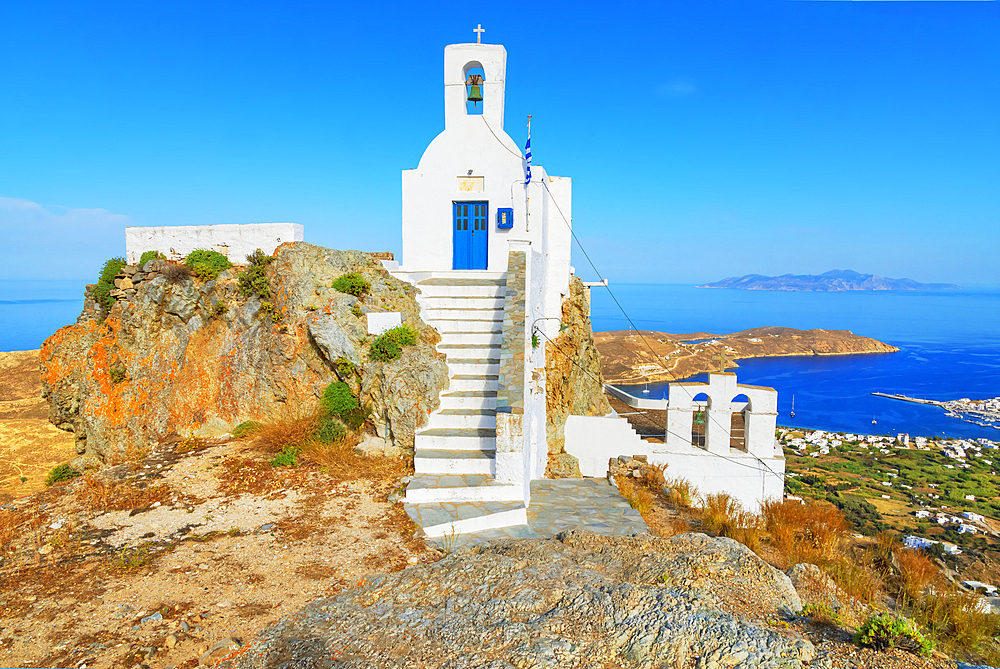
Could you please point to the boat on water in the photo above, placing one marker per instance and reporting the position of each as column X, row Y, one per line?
column 874, row 422
column 793, row 406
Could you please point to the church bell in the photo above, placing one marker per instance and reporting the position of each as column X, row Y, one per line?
column 475, row 92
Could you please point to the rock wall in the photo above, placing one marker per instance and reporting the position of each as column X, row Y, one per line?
column 578, row 600
column 573, row 381
column 198, row 358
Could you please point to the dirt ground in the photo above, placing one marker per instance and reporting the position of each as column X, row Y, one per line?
column 229, row 546
column 30, row 446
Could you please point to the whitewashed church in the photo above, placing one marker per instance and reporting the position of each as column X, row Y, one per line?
column 486, row 238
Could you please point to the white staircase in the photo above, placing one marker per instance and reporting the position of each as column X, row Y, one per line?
column 453, row 491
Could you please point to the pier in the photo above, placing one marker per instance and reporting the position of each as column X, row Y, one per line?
column 909, row 399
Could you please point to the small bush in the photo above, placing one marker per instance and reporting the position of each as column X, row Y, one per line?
column 60, row 473
column 130, row 559
column 388, row 345
column 330, row 430
column 150, row 255
column 338, row 399
column 288, row 457
column 253, row 280
column 345, row 368
column 916, row 571
column 351, row 283
column 821, row 615
column 106, row 282
column 246, row 428
column 176, row 273
column 885, row 631
column 207, row 264
column 221, row 308
column 356, row 310
column 117, row 373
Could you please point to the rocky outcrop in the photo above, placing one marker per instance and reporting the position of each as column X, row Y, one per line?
column 574, row 385
column 197, row 358
column 579, row 600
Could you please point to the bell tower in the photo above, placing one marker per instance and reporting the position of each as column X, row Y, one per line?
column 459, row 61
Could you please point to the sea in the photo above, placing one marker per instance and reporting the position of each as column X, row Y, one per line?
column 949, row 345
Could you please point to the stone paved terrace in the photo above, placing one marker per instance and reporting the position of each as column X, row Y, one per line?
column 557, row 505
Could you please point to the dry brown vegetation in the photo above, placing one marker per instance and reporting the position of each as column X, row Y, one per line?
column 867, row 573
column 101, row 494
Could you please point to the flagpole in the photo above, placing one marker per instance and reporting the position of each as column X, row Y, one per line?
column 527, row 180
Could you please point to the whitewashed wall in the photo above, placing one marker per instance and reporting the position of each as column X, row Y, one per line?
column 235, row 241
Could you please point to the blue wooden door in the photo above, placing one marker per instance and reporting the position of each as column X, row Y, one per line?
column 469, row 243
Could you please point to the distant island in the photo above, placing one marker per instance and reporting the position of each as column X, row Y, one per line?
column 635, row 357
column 834, row 280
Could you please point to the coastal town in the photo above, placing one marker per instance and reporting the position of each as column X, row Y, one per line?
column 937, row 494
column 983, row 412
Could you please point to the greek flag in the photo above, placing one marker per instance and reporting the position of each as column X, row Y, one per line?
column 527, row 155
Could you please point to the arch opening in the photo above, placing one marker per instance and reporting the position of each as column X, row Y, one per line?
column 699, row 420
column 738, row 422
column 474, row 77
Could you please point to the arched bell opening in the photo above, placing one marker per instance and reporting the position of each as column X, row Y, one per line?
column 739, row 422
column 699, row 420
column 474, row 77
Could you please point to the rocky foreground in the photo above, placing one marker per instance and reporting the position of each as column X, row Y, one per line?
column 578, row 600
column 638, row 356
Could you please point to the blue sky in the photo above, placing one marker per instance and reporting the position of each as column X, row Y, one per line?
column 705, row 139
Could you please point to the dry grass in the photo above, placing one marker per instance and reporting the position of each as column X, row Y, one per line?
column 132, row 453
column 861, row 583
column 99, row 494
column 682, row 493
column 638, row 497
column 956, row 623
column 811, row 532
column 916, row 571
column 723, row 516
column 273, row 437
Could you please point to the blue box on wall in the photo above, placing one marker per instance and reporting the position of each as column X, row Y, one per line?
column 505, row 219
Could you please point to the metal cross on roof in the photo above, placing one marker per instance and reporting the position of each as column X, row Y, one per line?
column 722, row 358
column 479, row 30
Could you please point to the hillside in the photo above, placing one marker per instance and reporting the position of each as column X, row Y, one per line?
column 834, row 280
column 634, row 357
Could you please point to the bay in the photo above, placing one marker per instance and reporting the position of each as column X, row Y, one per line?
column 949, row 341
column 30, row 311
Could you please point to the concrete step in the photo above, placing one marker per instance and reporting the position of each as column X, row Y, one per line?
column 453, row 461
column 461, row 419
column 428, row 488
column 476, row 366
column 478, row 338
column 461, row 383
column 451, row 324
column 462, row 314
column 470, row 399
column 481, row 290
column 461, row 302
column 479, row 439
column 459, row 277
column 470, row 350
column 453, row 520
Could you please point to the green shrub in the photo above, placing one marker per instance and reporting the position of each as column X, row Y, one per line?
column 330, row 430
column 207, row 264
column 106, row 282
column 356, row 310
column 884, row 631
column 351, row 283
column 221, row 308
column 246, row 428
column 338, row 399
column 383, row 349
column 344, row 367
column 150, row 255
column 253, row 280
column 287, row 458
column 61, row 473
column 117, row 373
column 388, row 345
